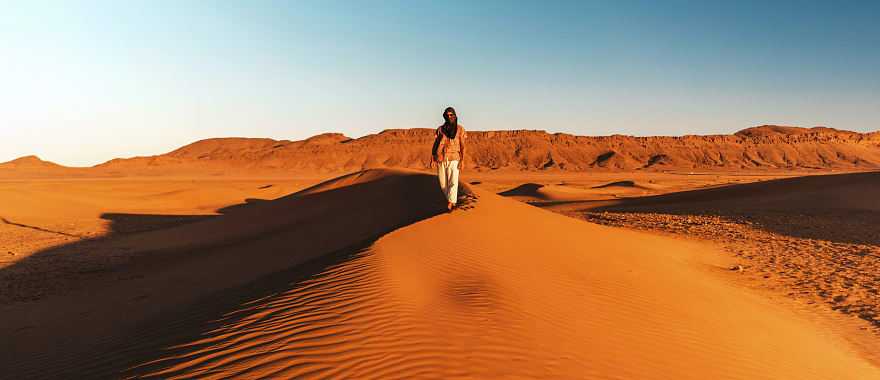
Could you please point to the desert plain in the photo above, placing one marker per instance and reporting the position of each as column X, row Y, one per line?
column 746, row 256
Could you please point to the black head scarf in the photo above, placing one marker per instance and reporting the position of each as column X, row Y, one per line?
column 450, row 128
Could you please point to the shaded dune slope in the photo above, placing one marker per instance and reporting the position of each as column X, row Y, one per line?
column 838, row 207
column 845, row 192
column 625, row 183
column 505, row 290
column 539, row 192
column 524, row 190
column 162, row 272
column 550, row 193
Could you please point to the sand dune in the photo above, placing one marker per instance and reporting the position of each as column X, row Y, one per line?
column 153, row 275
column 813, row 239
column 68, row 223
column 363, row 277
column 542, row 299
column 535, row 192
column 844, row 193
column 622, row 184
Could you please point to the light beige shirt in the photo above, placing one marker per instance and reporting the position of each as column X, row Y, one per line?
column 450, row 149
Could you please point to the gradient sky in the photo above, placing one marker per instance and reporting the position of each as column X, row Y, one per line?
column 84, row 82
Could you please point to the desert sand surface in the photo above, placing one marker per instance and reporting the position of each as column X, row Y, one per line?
column 62, row 219
column 545, row 188
column 365, row 276
column 815, row 239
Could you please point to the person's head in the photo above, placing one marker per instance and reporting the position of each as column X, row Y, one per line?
column 450, row 116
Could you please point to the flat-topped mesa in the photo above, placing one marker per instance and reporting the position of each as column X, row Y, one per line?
column 404, row 132
column 763, row 147
column 327, row 138
column 428, row 133
column 766, row 147
column 515, row 133
column 782, row 130
column 770, row 130
column 397, row 136
column 774, row 133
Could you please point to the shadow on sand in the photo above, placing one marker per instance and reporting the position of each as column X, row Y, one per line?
column 138, row 246
column 525, row 190
column 842, row 208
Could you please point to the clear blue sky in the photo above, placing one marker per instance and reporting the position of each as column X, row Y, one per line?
column 83, row 82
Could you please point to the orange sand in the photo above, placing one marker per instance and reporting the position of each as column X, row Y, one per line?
column 365, row 277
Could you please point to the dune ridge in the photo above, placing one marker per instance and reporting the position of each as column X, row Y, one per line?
column 548, row 297
column 758, row 148
column 156, row 274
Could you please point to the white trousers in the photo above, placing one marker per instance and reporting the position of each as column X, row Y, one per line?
column 447, row 172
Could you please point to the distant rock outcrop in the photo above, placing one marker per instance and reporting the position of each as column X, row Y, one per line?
column 766, row 147
column 28, row 162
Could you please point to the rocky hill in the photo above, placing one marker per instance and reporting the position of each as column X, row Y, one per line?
column 34, row 167
column 759, row 148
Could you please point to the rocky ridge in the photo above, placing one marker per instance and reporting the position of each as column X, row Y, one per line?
column 758, row 148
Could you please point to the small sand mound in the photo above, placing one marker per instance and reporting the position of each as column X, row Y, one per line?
column 537, row 192
column 526, row 189
column 617, row 184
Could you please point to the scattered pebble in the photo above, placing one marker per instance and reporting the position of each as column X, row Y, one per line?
column 810, row 257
